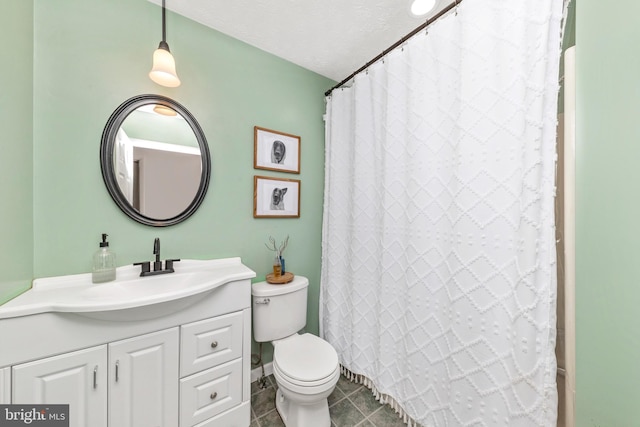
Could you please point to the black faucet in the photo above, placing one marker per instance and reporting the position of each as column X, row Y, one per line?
column 157, row 264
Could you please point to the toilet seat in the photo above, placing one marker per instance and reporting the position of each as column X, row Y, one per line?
column 306, row 360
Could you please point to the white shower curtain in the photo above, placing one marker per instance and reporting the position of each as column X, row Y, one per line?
column 438, row 281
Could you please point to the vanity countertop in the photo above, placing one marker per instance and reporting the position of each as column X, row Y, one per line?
column 76, row 293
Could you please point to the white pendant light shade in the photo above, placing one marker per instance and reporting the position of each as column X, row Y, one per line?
column 163, row 71
column 422, row 7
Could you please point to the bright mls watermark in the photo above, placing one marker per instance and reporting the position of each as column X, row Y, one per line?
column 34, row 415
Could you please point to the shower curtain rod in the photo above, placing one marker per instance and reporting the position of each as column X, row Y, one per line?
column 396, row 44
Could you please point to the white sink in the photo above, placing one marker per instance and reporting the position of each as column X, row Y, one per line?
column 129, row 297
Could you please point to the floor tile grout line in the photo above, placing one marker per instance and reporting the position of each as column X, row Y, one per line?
column 358, row 409
column 266, row 413
column 337, row 401
column 254, row 417
column 353, row 391
column 374, row 412
column 361, row 423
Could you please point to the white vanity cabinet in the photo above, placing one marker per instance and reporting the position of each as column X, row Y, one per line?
column 5, row 386
column 144, row 378
column 173, row 363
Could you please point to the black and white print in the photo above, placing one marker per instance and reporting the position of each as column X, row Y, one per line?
column 277, row 151
column 274, row 197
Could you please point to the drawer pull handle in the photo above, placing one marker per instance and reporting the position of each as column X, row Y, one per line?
column 214, row 344
column 214, row 395
column 95, row 377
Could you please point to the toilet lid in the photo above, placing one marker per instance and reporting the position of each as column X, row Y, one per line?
column 306, row 358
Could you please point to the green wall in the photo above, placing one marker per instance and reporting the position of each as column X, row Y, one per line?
column 607, row 223
column 16, row 164
column 91, row 55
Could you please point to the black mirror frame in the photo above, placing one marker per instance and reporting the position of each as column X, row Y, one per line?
column 107, row 145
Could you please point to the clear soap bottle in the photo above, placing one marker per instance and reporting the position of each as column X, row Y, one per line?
column 104, row 263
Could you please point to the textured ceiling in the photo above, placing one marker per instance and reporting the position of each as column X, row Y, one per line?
column 331, row 37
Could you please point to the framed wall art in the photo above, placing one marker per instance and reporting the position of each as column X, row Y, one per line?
column 276, row 151
column 276, row 197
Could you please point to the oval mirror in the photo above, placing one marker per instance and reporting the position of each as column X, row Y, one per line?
column 155, row 160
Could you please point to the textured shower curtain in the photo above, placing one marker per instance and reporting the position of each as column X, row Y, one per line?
column 438, row 281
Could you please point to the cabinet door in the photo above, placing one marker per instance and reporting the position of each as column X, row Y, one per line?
column 143, row 380
column 5, row 386
column 77, row 379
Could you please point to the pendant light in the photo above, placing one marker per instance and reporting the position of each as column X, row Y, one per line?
column 163, row 71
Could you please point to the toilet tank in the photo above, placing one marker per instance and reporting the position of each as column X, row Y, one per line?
column 279, row 310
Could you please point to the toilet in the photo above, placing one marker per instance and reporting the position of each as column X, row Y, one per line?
column 305, row 367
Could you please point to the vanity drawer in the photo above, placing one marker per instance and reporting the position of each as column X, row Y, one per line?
column 209, row 393
column 210, row 342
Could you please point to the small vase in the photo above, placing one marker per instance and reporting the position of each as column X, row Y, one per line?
column 277, row 267
column 282, row 265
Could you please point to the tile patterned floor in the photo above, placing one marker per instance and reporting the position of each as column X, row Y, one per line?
column 350, row 405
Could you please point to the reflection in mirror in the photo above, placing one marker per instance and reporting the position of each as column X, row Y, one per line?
column 155, row 160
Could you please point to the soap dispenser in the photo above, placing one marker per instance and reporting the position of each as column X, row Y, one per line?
column 104, row 263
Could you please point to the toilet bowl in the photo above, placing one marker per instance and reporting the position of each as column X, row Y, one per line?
column 305, row 367
column 306, row 371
